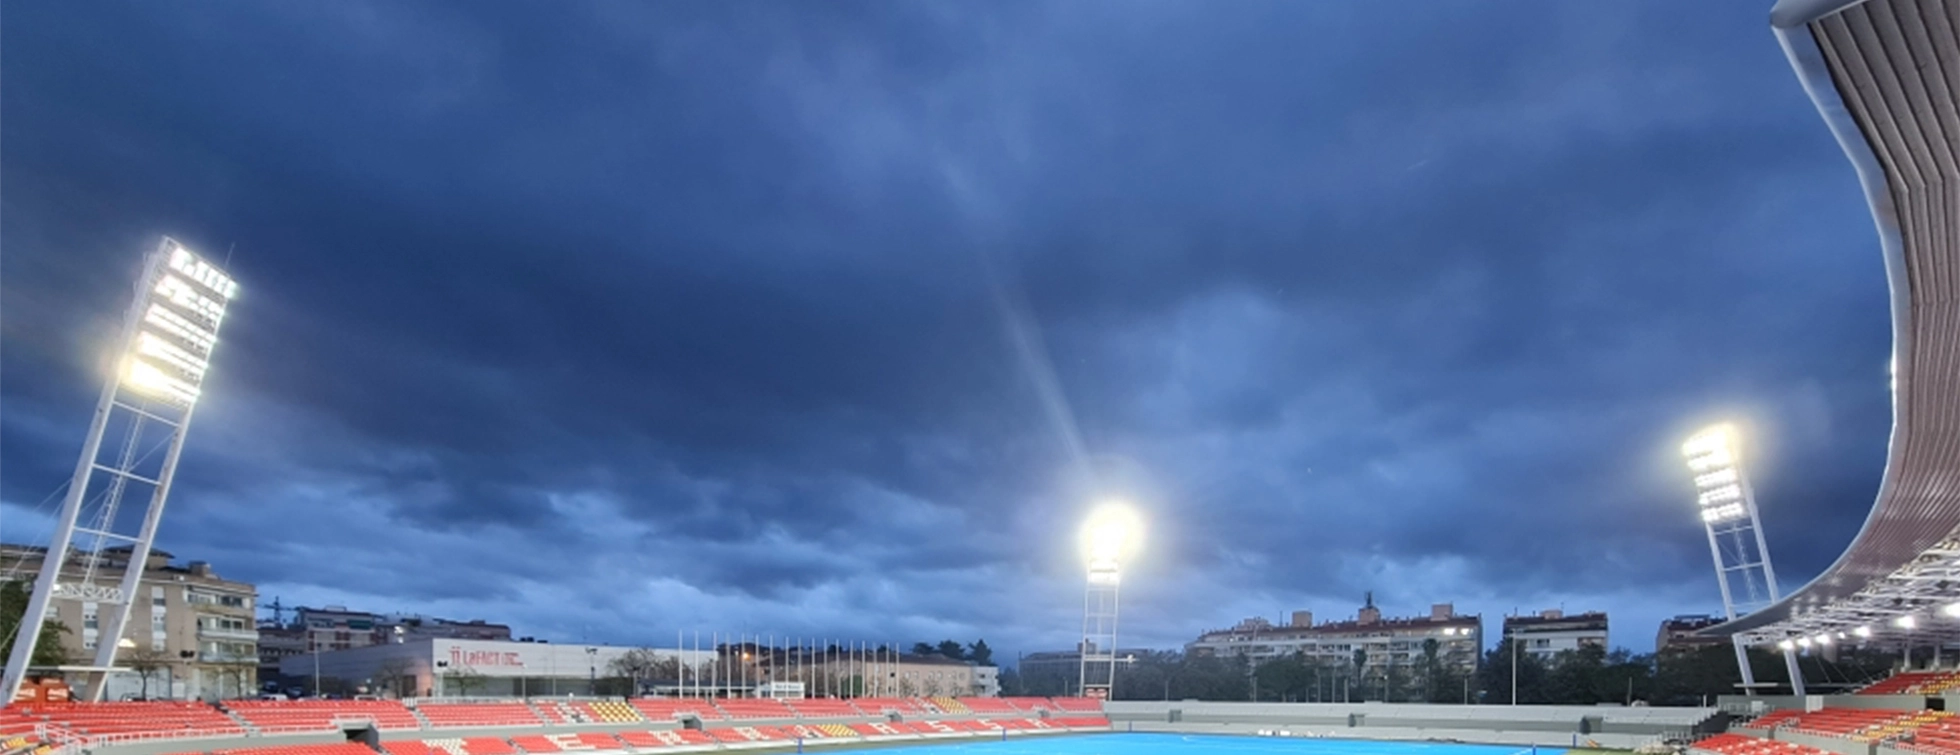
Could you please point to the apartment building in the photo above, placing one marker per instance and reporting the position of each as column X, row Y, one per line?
column 332, row 628
column 1551, row 632
column 1385, row 642
column 1677, row 635
column 338, row 628
column 190, row 631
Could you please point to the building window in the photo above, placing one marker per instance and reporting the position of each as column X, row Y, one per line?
column 156, row 596
column 88, row 643
column 89, row 620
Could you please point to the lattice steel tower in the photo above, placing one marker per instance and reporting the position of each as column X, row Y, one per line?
column 1735, row 536
column 143, row 413
column 1098, row 677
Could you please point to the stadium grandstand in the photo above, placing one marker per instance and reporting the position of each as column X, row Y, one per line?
column 1883, row 74
column 519, row 727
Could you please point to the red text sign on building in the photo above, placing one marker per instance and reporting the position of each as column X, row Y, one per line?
column 461, row 657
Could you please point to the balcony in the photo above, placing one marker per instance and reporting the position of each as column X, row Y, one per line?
column 228, row 658
column 236, row 635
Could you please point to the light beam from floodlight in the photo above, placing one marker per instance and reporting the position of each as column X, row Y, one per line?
column 1110, row 536
column 161, row 359
column 1727, row 507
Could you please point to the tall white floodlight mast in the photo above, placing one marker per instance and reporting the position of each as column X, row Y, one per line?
column 160, row 362
column 1735, row 536
column 1109, row 535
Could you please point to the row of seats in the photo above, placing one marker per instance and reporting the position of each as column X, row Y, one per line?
column 1737, row 744
column 538, row 744
column 1915, row 683
column 313, row 715
column 158, row 719
column 194, row 719
column 1850, row 723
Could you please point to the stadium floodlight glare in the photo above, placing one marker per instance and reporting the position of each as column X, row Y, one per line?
column 1787, row 645
column 1110, row 536
column 1803, row 642
column 1951, row 609
column 1862, row 632
column 1905, row 622
column 1823, row 639
column 1727, row 508
column 160, row 362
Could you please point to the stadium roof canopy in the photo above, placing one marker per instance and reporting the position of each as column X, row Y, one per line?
column 1885, row 75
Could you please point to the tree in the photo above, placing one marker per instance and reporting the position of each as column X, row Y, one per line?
column 979, row 653
column 397, row 675
column 1360, row 663
column 1431, row 649
column 146, row 661
column 1010, row 683
column 923, row 648
column 461, row 681
column 49, row 651
column 952, row 649
column 236, row 677
column 634, row 668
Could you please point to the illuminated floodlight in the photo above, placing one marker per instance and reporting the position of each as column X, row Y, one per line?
column 158, row 367
column 1110, row 535
column 1905, row 622
column 1735, row 537
column 1951, row 609
column 1823, row 639
column 1862, row 632
column 1109, row 538
column 171, row 350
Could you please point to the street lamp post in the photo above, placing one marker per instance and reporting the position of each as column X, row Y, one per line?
column 592, row 666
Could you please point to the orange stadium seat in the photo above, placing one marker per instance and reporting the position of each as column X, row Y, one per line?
column 1915, row 683
column 876, row 705
column 307, row 715
column 1078, row 705
column 826, row 707
column 146, row 720
column 456, row 715
column 535, row 743
column 1737, row 744
column 336, row 748
column 641, row 739
column 487, row 746
column 668, row 709
column 746, row 707
column 987, row 705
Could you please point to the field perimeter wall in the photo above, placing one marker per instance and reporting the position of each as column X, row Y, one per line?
column 1523, row 725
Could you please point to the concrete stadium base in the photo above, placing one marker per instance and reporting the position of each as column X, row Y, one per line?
column 1523, row 726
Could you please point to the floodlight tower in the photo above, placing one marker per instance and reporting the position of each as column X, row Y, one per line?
column 160, row 361
column 1107, row 537
column 1735, row 536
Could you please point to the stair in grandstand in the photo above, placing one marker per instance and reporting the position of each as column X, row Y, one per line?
column 948, row 705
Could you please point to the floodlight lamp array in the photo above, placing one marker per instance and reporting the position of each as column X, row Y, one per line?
column 1104, row 572
column 1712, row 457
column 182, row 309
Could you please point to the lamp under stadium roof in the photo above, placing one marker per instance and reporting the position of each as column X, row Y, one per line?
column 160, row 362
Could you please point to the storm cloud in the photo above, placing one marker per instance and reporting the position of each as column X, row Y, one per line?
column 613, row 320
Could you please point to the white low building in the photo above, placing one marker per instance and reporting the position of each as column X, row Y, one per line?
column 473, row 668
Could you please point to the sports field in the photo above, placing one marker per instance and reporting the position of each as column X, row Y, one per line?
column 1182, row 744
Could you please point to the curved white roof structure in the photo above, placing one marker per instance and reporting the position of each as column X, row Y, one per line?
column 1885, row 75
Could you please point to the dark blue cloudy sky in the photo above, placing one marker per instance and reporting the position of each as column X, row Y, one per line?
column 616, row 319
